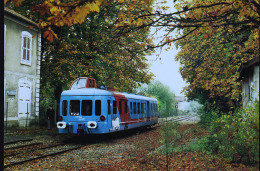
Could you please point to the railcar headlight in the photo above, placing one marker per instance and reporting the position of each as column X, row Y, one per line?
column 61, row 125
column 60, row 118
column 92, row 124
column 102, row 118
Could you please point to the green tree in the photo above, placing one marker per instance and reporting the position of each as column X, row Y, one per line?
column 166, row 98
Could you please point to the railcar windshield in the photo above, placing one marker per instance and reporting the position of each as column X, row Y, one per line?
column 80, row 83
column 86, row 108
column 74, row 107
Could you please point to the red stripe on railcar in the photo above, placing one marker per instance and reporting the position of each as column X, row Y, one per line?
column 125, row 116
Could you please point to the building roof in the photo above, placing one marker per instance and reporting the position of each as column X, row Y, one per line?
column 19, row 16
column 243, row 69
column 180, row 99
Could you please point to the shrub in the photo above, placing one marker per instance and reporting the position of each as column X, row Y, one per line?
column 236, row 135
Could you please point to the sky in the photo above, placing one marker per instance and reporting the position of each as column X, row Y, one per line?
column 166, row 70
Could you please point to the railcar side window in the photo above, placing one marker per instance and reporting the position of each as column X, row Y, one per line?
column 134, row 107
column 86, row 109
column 131, row 107
column 114, row 107
column 120, row 108
column 98, row 107
column 74, row 107
column 145, row 108
column 142, row 108
column 138, row 108
column 125, row 107
column 108, row 107
column 64, row 107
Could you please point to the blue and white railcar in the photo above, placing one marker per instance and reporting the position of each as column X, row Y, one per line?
column 98, row 111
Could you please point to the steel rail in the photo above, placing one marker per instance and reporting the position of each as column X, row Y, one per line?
column 21, row 146
column 42, row 148
column 43, row 156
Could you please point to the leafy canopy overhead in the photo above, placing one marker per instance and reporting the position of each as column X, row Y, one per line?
column 212, row 53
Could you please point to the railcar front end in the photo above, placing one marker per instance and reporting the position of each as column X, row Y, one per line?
column 82, row 111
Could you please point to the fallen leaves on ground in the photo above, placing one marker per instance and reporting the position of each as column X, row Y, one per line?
column 136, row 152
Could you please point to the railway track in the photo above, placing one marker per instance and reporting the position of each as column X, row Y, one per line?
column 176, row 119
column 34, row 151
column 18, row 153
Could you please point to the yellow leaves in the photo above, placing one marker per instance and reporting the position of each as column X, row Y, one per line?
column 120, row 1
column 139, row 22
column 94, row 6
column 55, row 10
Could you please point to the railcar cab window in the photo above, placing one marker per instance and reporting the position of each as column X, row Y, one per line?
column 64, row 107
column 98, row 107
column 74, row 107
column 114, row 107
column 90, row 83
column 86, row 109
column 80, row 83
column 108, row 107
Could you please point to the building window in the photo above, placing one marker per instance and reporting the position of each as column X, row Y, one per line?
column 26, row 49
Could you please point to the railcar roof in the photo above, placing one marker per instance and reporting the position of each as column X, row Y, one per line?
column 87, row 92
column 100, row 92
column 134, row 96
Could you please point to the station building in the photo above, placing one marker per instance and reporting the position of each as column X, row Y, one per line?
column 22, row 51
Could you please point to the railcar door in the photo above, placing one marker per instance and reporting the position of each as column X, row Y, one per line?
column 123, row 110
column 109, row 112
column 98, row 108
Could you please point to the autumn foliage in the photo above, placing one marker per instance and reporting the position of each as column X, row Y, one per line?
column 222, row 38
column 88, row 38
